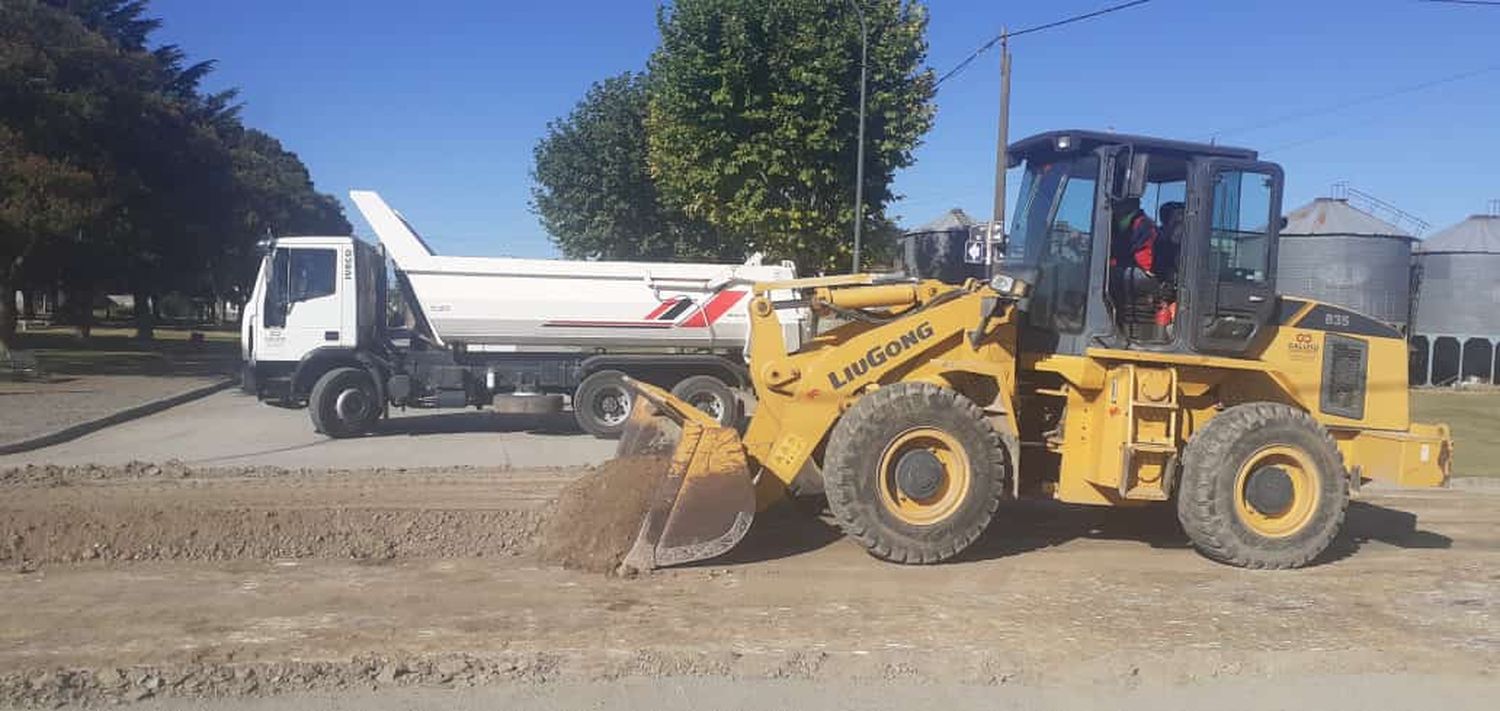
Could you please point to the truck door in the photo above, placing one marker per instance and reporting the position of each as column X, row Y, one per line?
column 303, row 307
column 1237, row 223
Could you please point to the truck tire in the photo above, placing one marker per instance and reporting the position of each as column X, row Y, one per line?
column 914, row 473
column 344, row 403
column 712, row 396
column 601, row 404
column 1263, row 486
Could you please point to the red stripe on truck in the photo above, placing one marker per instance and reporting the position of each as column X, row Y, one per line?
column 662, row 307
column 609, row 324
column 711, row 311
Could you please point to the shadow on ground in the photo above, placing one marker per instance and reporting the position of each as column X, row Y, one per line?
column 1025, row 526
column 476, row 421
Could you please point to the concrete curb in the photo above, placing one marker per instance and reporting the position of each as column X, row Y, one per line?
column 72, row 432
column 1491, row 483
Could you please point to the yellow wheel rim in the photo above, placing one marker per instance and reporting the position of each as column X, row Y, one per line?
column 912, row 488
column 1276, row 491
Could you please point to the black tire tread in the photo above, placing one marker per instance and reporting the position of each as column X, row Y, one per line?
column 859, row 430
column 1209, row 522
column 323, row 419
column 583, row 415
column 732, row 409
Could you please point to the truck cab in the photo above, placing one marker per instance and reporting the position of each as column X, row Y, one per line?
column 313, row 298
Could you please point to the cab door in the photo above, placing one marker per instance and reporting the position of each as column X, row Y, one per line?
column 304, row 309
column 1237, row 222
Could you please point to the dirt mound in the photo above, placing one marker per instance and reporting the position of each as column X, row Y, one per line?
column 115, row 533
column 597, row 517
column 153, row 512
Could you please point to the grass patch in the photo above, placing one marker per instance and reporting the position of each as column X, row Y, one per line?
column 117, row 352
column 1475, row 419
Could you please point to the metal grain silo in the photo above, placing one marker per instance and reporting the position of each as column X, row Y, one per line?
column 940, row 249
column 1333, row 252
column 1457, row 323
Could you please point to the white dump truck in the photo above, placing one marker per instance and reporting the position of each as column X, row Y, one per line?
column 351, row 329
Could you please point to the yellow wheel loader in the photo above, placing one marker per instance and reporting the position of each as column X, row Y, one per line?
column 1080, row 371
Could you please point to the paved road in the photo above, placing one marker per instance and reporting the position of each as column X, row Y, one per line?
column 233, row 429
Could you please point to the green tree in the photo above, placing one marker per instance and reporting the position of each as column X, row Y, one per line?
column 121, row 173
column 753, row 119
column 41, row 201
column 274, row 196
column 593, row 190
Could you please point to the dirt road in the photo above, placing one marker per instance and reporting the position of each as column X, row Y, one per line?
column 163, row 583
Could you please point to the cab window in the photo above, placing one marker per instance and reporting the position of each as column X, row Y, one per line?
column 313, row 273
column 1053, row 231
column 1239, row 247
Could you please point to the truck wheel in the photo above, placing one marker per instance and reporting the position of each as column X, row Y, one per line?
column 1263, row 486
column 344, row 403
column 712, row 396
column 601, row 404
column 914, row 472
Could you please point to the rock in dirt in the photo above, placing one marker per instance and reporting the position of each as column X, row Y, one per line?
column 598, row 516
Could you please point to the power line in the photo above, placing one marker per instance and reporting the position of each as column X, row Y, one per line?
column 1371, row 98
column 1038, row 28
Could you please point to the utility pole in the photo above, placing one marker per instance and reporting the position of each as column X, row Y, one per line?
column 997, row 225
column 859, row 164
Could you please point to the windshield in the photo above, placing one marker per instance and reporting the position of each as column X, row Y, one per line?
column 1036, row 202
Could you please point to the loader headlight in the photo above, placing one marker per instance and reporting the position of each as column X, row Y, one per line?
column 1009, row 285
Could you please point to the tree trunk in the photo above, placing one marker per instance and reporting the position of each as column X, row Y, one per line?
column 28, row 304
column 7, row 314
column 85, row 313
column 145, row 322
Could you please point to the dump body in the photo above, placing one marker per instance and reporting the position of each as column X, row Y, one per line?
column 530, row 303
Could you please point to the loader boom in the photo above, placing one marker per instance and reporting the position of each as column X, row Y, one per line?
column 958, row 337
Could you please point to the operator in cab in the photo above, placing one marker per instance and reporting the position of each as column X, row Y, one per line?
column 1143, row 266
column 1133, row 240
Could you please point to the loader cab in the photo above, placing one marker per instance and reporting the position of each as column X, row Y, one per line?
column 1085, row 214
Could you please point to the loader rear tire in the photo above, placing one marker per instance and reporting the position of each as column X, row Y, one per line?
column 914, row 473
column 1263, row 486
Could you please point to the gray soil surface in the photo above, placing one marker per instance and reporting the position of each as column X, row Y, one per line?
column 32, row 408
column 415, row 583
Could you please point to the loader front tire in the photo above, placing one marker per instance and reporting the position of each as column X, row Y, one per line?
column 914, row 473
column 1263, row 486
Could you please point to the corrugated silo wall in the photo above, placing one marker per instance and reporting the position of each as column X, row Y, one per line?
column 1457, row 323
column 1459, row 295
column 1371, row 275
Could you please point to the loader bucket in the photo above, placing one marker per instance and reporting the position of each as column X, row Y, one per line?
column 706, row 501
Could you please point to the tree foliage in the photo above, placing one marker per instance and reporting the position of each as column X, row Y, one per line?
column 119, row 172
column 593, row 190
column 753, row 118
column 742, row 136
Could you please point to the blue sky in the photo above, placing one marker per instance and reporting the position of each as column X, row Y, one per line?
column 437, row 105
